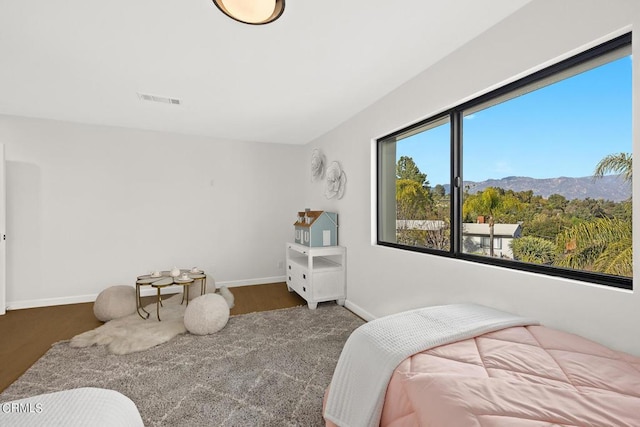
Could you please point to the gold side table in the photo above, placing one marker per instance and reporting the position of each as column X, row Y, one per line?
column 201, row 277
column 159, row 285
column 186, row 284
column 146, row 280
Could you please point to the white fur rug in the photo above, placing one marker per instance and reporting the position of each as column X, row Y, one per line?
column 131, row 333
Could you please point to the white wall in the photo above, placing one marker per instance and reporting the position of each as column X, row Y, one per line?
column 383, row 280
column 91, row 206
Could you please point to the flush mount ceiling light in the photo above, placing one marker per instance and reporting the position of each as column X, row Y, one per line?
column 254, row 12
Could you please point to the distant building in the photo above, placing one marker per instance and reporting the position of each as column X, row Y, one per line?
column 428, row 233
column 420, row 224
column 476, row 238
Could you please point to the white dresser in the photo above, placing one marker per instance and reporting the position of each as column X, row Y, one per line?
column 317, row 274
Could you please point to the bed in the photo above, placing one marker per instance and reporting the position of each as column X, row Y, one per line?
column 468, row 365
column 79, row 407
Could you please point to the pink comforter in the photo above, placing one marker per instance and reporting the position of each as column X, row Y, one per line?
column 517, row 377
column 522, row 376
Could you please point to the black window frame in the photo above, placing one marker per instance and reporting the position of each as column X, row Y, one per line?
column 455, row 115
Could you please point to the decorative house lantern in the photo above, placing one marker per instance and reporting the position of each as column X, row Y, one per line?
column 316, row 228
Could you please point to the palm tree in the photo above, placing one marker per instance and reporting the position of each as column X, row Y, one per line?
column 602, row 245
column 621, row 163
column 605, row 244
column 490, row 203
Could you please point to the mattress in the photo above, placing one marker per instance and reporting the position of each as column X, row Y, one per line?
column 520, row 376
column 78, row 407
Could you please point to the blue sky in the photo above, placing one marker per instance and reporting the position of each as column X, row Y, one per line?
column 561, row 130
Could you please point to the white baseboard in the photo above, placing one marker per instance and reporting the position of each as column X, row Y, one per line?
column 45, row 302
column 250, row 282
column 359, row 311
column 144, row 291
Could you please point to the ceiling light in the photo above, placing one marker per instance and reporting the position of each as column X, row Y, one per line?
column 254, row 12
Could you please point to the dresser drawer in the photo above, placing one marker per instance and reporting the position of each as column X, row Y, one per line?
column 298, row 278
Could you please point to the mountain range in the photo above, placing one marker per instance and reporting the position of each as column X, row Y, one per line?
column 609, row 187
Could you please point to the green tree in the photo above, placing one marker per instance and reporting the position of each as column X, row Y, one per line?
column 545, row 225
column 534, row 250
column 589, row 208
column 411, row 203
column 525, row 196
column 623, row 210
column 407, row 169
column 492, row 202
column 557, row 202
column 603, row 244
column 439, row 190
column 411, row 199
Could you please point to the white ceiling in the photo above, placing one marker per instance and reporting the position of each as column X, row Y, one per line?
column 289, row 82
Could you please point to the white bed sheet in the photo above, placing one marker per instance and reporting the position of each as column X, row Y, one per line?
column 80, row 407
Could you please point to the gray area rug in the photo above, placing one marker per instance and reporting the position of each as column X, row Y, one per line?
column 263, row 369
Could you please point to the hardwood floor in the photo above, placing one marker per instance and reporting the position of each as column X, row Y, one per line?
column 27, row 334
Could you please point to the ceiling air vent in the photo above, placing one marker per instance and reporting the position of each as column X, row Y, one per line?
column 156, row 98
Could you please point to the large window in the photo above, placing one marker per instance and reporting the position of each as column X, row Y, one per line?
column 533, row 176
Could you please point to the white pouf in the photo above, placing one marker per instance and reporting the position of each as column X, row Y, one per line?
column 115, row 302
column 206, row 314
